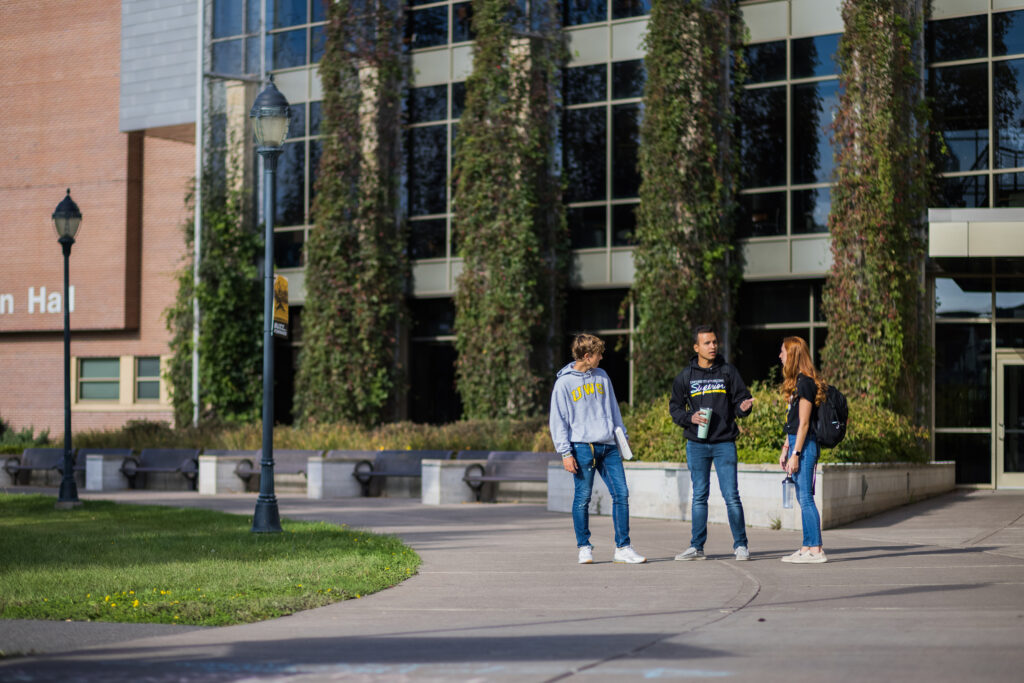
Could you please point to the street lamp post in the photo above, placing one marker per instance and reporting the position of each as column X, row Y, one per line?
column 269, row 115
column 66, row 219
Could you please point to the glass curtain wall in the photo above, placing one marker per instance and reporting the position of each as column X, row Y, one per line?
column 975, row 81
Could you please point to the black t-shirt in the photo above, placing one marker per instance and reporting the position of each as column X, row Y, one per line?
column 805, row 388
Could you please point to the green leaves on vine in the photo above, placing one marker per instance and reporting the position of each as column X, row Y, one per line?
column 688, row 164
column 509, row 220
column 356, row 267
column 874, row 294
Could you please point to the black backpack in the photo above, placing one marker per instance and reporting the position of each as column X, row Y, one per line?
column 832, row 414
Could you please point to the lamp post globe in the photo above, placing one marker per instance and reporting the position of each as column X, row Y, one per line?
column 66, row 219
column 269, row 114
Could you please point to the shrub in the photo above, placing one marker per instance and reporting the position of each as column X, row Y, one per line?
column 12, row 441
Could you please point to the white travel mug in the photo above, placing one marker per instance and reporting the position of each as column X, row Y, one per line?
column 702, row 430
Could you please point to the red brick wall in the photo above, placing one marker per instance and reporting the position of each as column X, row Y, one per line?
column 60, row 69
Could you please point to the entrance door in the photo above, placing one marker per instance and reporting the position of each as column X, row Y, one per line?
column 1010, row 419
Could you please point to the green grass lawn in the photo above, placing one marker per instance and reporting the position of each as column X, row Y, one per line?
column 131, row 563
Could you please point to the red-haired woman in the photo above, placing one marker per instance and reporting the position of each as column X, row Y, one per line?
column 805, row 390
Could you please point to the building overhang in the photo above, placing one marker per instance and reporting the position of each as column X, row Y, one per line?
column 959, row 233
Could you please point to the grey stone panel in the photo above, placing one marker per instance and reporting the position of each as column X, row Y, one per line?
column 158, row 63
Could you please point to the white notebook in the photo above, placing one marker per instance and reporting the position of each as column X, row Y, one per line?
column 620, row 441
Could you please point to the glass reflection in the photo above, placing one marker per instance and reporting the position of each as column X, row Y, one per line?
column 297, row 120
column 757, row 351
column 963, row 354
column 762, row 215
column 1010, row 189
column 315, row 152
column 970, row 452
column 624, row 225
column 583, row 154
column 319, row 10
column 458, row 99
column 585, row 84
column 948, row 40
column 1009, row 297
column 595, row 310
column 586, row 226
column 427, row 238
column 626, row 122
column 814, row 108
column 810, row 210
column 227, row 57
column 227, row 18
column 318, row 43
column 763, row 303
column 959, row 96
column 1008, row 114
column 1007, row 33
column 815, row 56
column 762, row 134
column 427, row 27
column 315, row 117
column 628, row 79
column 252, row 55
column 252, row 16
column 284, row 13
column 288, row 248
column 576, row 12
column 462, row 22
column 1010, row 335
column 287, row 49
column 766, row 61
column 964, row 192
column 623, row 9
column 291, row 185
column 428, row 104
column 963, row 297
column 427, row 172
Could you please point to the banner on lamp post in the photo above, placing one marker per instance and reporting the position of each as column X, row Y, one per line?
column 280, row 306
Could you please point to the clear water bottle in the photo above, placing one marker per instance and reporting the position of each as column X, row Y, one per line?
column 788, row 492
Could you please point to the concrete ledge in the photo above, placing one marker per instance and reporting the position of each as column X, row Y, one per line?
column 103, row 473
column 843, row 492
column 442, row 482
column 217, row 474
column 332, row 478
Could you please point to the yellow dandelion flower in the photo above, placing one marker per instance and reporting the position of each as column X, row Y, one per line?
column 135, row 604
column 175, row 616
column 88, row 595
column 106, row 599
column 113, row 604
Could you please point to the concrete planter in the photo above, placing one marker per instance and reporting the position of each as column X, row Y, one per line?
column 443, row 485
column 332, row 478
column 843, row 492
column 103, row 473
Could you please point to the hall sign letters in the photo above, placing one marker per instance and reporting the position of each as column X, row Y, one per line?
column 39, row 300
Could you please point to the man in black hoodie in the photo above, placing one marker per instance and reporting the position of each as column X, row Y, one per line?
column 710, row 382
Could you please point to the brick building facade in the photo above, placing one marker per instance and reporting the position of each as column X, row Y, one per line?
column 61, row 70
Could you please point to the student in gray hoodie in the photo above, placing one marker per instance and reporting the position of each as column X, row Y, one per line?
column 584, row 415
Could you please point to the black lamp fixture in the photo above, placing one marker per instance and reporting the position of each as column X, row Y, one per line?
column 269, row 116
column 66, row 219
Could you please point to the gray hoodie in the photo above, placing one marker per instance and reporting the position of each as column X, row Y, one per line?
column 583, row 409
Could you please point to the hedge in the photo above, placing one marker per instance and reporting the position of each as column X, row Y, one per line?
column 874, row 434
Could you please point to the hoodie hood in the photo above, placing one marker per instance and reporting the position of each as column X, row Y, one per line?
column 570, row 368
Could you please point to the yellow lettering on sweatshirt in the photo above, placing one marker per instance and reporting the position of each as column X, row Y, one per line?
column 588, row 389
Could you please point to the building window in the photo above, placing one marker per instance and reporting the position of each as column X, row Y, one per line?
column 975, row 111
column 99, row 379
column 788, row 194
column 147, row 378
column 794, row 310
column 600, row 150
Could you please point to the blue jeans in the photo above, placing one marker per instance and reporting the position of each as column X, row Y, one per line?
column 804, row 478
column 604, row 458
column 699, row 457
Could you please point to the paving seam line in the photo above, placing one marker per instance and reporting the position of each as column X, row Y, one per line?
column 740, row 600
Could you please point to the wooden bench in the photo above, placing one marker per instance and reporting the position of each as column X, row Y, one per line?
column 183, row 461
column 20, row 468
column 286, row 461
column 508, row 466
column 394, row 464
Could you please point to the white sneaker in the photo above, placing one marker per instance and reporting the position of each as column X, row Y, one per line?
column 691, row 553
column 810, row 558
column 793, row 557
column 628, row 555
column 742, row 553
column 586, row 554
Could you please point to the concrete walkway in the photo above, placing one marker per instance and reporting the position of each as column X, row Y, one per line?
column 929, row 592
